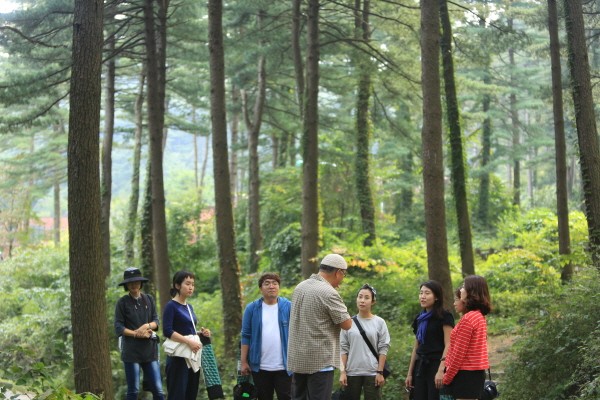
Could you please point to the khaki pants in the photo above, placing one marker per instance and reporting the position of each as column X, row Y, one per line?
column 365, row 385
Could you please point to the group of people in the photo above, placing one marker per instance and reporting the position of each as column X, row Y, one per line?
column 292, row 348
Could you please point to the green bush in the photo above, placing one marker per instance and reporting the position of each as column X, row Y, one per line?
column 553, row 351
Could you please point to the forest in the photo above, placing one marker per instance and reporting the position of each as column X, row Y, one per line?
column 420, row 140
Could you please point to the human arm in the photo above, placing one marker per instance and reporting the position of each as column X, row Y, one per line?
column 246, row 338
column 343, row 376
column 347, row 324
column 409, row 375
column 379, row 378
column 439, row 376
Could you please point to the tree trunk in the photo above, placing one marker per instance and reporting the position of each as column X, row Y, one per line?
column 134, row 197
column 587, row 134
column 364, row 125
column 253, row 163
column 433, row 154
column 483, row 209
column 514, row 121
column 235, row 123
column 56, row 213
column 147, row 241
column 107, row 144
column 156, row 70
column 310, row 148
column 459, row 176
column 229, row 268
column 299, row 72
column 91, row 363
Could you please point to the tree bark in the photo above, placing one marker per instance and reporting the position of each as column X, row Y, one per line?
column 433, row 154
column 229, row 268
column 146, row 238
column 134, row 197
column 310, row 147
column 91, row 363
column 364, row 125
column 299, row 72
column 107, row 144
column 459, row 176
column 483, row 209
column 156, row 75
column 514, row 122
column 253, row 126
column 235, row 123
column 587, row 134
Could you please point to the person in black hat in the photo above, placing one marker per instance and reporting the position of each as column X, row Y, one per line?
column 136, row 320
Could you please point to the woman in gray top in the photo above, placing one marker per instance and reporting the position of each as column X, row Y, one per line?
column 361, row 371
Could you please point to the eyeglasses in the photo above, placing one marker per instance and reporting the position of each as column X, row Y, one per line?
column 270, row 283
column 343, row 271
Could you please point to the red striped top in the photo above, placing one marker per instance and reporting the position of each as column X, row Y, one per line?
column 468, row 346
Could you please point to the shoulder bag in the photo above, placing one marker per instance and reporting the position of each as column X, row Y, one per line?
column 386, row 368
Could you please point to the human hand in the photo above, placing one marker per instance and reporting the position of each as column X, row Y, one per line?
column 379, row 380
column 343, row 378
column 439, row 379
column 245, row 368
column 194, row 345
column 408, row 382
column 205, row 332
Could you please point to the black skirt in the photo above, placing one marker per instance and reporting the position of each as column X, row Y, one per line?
column 467, row 385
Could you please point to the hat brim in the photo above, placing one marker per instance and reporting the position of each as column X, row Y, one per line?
column 136, row 279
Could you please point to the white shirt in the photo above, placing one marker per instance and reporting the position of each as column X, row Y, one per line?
column 271, row 357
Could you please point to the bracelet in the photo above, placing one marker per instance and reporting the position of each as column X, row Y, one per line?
column 380, row 372
column 442, row 359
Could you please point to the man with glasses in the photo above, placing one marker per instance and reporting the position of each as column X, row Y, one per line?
column 318, row 314
column 265, row 339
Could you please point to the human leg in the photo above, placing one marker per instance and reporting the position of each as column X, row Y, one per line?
column 319, row 385
column 193, row 384
column 263, row 381
column 132, row 377
column 177, row 378
column 371, row 391
column 152, row 378
column 354, row 388
column 283, row 385
column 433, row 393
column 299, row 386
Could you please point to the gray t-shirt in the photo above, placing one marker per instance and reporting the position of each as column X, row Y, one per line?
column 361, row 360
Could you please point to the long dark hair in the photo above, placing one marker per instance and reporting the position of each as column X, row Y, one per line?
column 478, row 294
column 438, row 292
column 178, row 279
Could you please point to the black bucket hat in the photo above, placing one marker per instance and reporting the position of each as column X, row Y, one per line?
column 132, row 275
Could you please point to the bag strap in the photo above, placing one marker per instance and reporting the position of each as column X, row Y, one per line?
column 148, row 307
column 191, row 317
column 364, row 335
column 490, row 374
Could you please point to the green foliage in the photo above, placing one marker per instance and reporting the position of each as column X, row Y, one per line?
column 284, row 252
column 565, row 337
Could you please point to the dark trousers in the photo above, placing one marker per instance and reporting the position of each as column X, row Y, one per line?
column 362, row 384
column 269, row 382
column 182, row 382
column 315, row 386
column 424, row 379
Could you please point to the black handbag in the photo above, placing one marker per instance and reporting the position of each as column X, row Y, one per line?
column 490, row 391
column 386, row 368
column 340, row 394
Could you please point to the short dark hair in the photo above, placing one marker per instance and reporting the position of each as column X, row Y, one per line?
column 327, row 268
column 438, row 291
column 178, row 279
column 478, row 294
column 269, row 275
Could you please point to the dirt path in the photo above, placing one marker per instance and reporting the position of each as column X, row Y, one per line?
column 499, row 352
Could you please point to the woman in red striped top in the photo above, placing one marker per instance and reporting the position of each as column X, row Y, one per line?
column 467, row 358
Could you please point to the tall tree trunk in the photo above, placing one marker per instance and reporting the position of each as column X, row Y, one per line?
column 310, row 147
column 514, row 121
column 483, row 209
column 562, row 195
column 156, row 73
column 91, row 363
column 107, row 144
column 235, row 123
column 459, row 176
column 146, row 238
column 56, row 213
column 364, row 125
column 587, row 134
column 254, row 125
column 433, row 154
column 229, row 268
column 134, row 197
column 299, row 72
